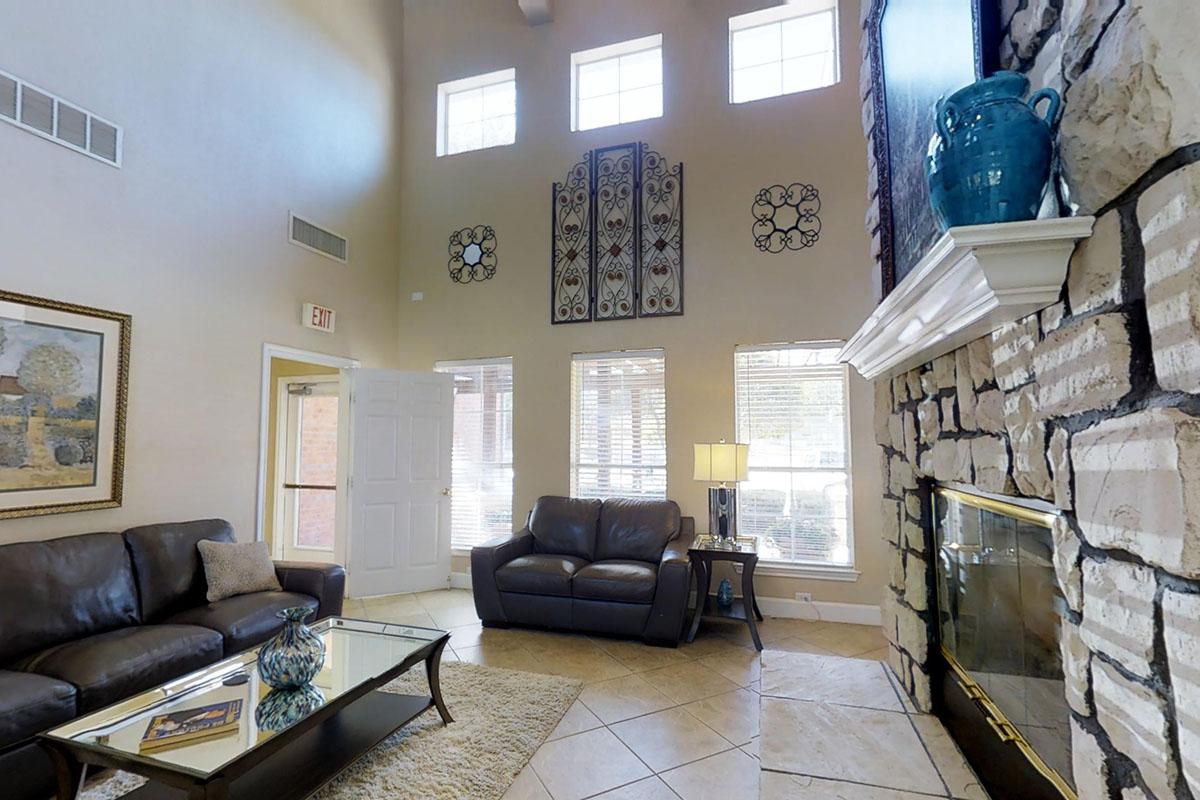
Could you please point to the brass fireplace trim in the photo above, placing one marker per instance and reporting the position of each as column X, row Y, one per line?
column 1044, row 519
column 1004, row 729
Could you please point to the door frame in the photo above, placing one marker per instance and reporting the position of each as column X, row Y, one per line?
column 270, row 351
column 282, row 417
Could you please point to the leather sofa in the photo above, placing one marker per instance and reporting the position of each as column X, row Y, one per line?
column 615, row 566
column 88, row 620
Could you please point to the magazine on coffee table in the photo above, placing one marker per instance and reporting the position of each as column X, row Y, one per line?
column 190, row 726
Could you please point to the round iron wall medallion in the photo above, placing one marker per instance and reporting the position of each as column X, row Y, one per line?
column 786, row 217
column 472, row 254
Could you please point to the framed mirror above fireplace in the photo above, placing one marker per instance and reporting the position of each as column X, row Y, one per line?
column 997, row 668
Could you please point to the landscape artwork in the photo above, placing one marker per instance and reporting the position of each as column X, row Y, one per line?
column 62, row 393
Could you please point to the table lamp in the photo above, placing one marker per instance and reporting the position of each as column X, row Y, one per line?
column 722, row 463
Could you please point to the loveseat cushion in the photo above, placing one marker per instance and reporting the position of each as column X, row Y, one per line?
column 565, row 526
column 636, row 530
column 31, row 703
column 114, row 665
column 245, row 620
column 57, row 590
column 169, row 572
column 539, row 574
column 620, row 581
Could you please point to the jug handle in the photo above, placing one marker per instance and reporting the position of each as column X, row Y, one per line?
column 1052, row 111
column 945, row 109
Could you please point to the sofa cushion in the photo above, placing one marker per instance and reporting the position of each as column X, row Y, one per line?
column 233, row 568
column 565, row 526
column 245, row 620
column 539, row 574
column 110, row 666
column 57, row 590
column 620, row 581
column 31, row 703
column 167, row 564
column 637, row 530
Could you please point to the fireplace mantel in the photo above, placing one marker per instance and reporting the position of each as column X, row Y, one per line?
column 974, row 279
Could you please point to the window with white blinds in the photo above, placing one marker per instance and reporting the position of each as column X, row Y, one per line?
column 482, row 473
column 791, row 408
column 619, row 425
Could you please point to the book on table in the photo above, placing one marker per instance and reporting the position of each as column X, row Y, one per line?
column 191, row 726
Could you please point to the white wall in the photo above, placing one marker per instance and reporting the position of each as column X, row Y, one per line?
column 234, row 111
column 735, row 295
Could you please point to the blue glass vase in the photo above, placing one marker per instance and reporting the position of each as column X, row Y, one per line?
column 296, row 654
column 989, row 160
column 725, row 594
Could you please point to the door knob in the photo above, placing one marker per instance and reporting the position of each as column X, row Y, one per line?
column 445, row 492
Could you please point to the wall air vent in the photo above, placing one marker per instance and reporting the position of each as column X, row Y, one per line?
column 40, row 112
column 317, row 239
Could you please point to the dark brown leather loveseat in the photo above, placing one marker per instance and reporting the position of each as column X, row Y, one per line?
column 88, row 620
column 614, row 566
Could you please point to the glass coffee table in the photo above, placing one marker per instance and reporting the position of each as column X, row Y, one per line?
column 283, row 746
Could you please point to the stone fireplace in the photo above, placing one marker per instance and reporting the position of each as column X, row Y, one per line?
column 1090, row 406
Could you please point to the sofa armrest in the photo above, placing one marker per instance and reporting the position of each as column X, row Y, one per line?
column 669, row 611
column 326, row 582
column 485, row 560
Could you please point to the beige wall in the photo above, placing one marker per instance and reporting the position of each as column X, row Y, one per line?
column 735, row 295
column 234, row 112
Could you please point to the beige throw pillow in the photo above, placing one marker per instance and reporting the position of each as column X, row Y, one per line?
column 232, row 569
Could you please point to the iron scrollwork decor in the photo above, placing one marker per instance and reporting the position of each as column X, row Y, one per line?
column 661, row 289
column 473, row 254
column 615, row 246
column 571, row 257
column 786, row 217
column 617, row 243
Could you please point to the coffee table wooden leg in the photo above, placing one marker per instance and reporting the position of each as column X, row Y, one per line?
column 68, row 773
column 700, row 567
column 214, row 790
column 749, row 603
column 432, row 665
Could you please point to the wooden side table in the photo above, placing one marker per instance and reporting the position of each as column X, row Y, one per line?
column 743, row 551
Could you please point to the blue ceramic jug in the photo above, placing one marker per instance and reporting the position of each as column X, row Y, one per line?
column 989, row 160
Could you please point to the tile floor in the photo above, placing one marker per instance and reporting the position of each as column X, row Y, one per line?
column 683, row 724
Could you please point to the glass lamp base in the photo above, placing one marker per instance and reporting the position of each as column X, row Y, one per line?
column 722, row 512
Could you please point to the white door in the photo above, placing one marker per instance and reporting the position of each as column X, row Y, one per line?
column 399, row 440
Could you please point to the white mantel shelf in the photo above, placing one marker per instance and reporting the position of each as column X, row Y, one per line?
column 972, row 281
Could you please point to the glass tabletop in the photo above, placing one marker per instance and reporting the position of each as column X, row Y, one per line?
column 742, row 544
column 231, row 710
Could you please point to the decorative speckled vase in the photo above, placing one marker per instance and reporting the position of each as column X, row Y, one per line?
column 296, row 654
column 282, row 708
column 990, row 159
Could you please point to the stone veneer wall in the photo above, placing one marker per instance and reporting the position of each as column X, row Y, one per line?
column 1093, row 403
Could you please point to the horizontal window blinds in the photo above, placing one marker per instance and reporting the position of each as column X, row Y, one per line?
column 791, row 409
column 619, row 425
column 482, row 483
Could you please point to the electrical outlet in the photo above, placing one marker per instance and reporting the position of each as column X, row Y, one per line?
column 804, row 597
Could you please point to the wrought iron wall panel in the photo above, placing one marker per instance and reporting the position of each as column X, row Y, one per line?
column 660, row 284
column 614, row 241
column 617, row 230
column 571, row 251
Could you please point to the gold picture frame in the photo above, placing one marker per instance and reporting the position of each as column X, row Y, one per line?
column 64, row 389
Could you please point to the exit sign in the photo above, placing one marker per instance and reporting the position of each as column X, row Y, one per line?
column 318, row 317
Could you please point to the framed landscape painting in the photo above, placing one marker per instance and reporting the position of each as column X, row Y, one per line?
column 64, row 372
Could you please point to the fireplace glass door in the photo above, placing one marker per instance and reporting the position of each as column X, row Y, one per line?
column 999, row 613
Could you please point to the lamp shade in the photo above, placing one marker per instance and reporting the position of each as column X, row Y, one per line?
column 721, row 462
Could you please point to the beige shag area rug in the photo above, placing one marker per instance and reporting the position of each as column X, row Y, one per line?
column 501, row 717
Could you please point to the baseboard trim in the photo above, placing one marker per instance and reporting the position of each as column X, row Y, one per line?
column 823, row 610
column 460, row 580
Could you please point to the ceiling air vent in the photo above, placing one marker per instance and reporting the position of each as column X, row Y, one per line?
column 317, row 239
column 40, row 112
